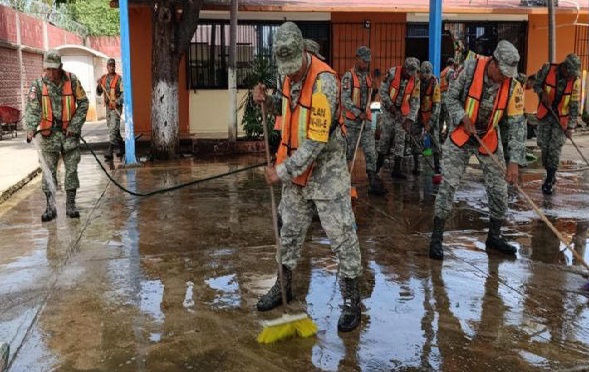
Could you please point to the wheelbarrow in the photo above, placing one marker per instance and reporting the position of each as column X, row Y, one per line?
column 9, row 118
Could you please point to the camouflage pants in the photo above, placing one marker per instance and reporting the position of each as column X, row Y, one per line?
column 52, row 148
column 551, row 138
column 113, row 121
column 366, row 142
column 445, row 118
column 418, row 144
column 392, row 131
column 337, row 219
column 454, row 163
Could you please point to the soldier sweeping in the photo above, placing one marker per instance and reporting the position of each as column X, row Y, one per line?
column 311, row 164
column 113, row 100
column 356, row 95
column 399, row 94
column 559, row 88
column 57, row 106
column 483, row 93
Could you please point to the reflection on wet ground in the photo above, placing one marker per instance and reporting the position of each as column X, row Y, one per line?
column 170, row 282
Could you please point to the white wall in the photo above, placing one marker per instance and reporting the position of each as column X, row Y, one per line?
column 209, row 113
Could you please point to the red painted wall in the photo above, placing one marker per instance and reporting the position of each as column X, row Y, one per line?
column 7, row 24
column 109, row 45
column 31, row 31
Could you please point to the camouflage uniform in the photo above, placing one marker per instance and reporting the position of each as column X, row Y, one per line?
column 327, row 188
column 57, row 143
column 551, row 136
column 444, row 113
column 392, row 124
column 455, row 158
column 113, row 119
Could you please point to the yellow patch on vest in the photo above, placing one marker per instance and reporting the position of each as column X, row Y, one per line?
column 320, row 118
column 576, row 93
column 437, row 96
column 80, row 93
column 516, row 101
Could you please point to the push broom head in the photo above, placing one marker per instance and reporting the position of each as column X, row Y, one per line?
column 437, row 178
column 285, row 327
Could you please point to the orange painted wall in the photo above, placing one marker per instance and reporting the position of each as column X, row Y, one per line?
column 141, row 47
column 537, row 53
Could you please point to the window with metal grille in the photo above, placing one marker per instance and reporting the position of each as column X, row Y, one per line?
column 208, row 55
column 582, row 45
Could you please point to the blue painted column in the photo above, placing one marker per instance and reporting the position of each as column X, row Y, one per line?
column 127, row 87
column 435, row 35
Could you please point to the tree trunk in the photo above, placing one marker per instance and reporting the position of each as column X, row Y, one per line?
column 164, row 97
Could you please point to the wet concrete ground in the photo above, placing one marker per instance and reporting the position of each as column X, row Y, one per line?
column 170, row 282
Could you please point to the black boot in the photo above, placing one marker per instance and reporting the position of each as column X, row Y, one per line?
column 376, row 187
column 379, row 162
column 108, row 155
column 70, row 204
column 415, row 164
column 351, row 312
column 547, row 187
column 396, row 173
column 50, row 212
column 274, row 296
column 436, row 250
column 497, row 241
column 437, row 168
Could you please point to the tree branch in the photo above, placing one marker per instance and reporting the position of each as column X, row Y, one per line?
column 188, row 24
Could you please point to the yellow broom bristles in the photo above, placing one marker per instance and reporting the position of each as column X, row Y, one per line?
column 288, row 326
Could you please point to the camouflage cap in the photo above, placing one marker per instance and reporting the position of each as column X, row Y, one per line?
column 111, row 61
column 313, row 47
column 450, row 61
column 426, row 67
column 572, row 63
column 52, row 59
column 507, row 58
column 412, row 65
column 288, row 48
column 364, row 53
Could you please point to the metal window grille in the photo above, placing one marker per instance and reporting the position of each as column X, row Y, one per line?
column 582, row 45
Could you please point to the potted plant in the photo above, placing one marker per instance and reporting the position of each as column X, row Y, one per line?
column 261, row 70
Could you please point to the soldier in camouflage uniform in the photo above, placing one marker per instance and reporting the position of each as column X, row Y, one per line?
column 399, row 111
column 446, row 76
column 559, row 89
column 427, row 118
column 113, row 100
column 356, row 95
column 471, row 102
column 311, row 164
column 57, row 104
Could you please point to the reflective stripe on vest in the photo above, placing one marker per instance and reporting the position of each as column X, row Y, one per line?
column 444, row 83
column 471, row 107
column 394, row 90
column 112, row 91
column 549, row 86
column 357, row 95
column 426, row 102
column 68, row 106
column 295, row 122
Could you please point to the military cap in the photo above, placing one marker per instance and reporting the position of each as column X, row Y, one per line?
column 364, row 53
column 313, row 47
column 426, row 67
column 288, row 48
column 111, row 61
column 52, row 59
column 507, row 58
column 572, row 63
column 412, row 65
column 450, row 61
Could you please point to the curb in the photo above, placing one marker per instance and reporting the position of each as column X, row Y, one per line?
column 6, row 194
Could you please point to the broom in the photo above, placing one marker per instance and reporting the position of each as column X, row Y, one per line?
column 437, row 177
column 353, row 192
column 537, row 210
column 289, row 325
column 572, row 141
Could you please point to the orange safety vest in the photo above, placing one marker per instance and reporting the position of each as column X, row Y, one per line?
column 426, row 101
column 394, row 91
column 112, row 91
column 460, row 136
column 444, row 83
column 295, row 122
column 549, row 86
column 357, row 95
column 68, row 106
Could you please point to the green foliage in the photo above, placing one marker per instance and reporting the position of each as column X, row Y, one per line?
column 263, row 71
column 96, row 15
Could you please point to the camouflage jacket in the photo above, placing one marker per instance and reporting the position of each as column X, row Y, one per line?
column 330, row 178
column 457, row 93
column 560, row 85
column 436, row 100
column 118, row 89
column 385, row 97
column 347, row 86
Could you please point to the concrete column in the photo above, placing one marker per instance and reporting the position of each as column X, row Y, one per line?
column 23, row 88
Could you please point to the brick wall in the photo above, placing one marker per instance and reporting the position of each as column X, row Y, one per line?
column 58, row 36
column 7, row 24
column 10, row 78
column 31, row 31
column 109, row 45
